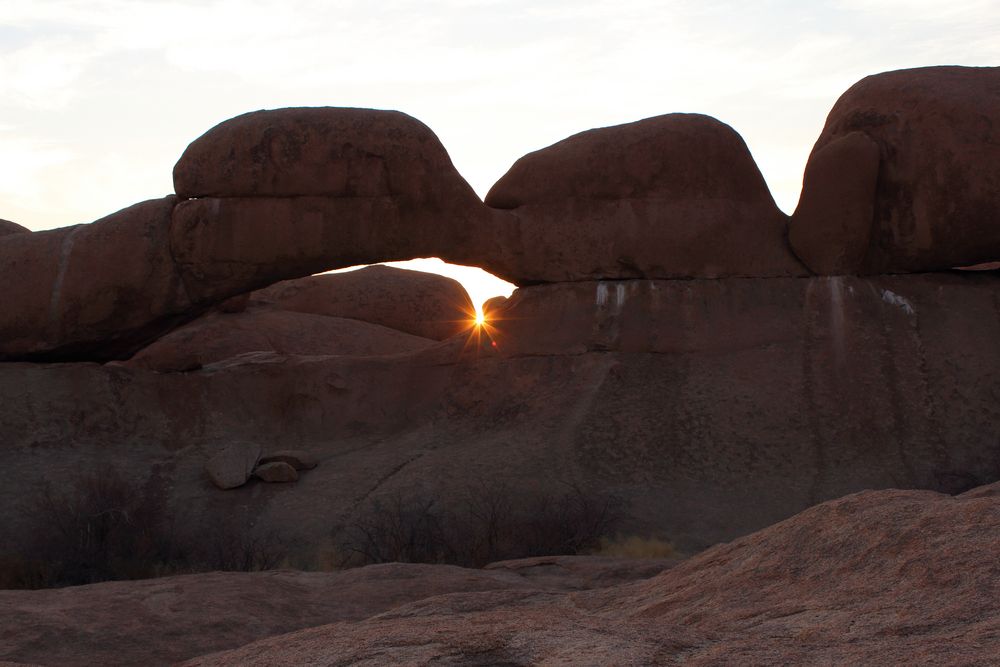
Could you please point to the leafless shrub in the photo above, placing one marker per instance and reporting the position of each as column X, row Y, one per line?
column 101, row 527
column 491, row 522
column 235, row 547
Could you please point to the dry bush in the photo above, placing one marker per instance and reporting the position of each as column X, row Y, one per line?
column 634, row 546
column 101, row 527
column 493, row 522
column 104, row 527
column 234, row 547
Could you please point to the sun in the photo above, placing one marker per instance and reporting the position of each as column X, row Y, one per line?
column 480, row 319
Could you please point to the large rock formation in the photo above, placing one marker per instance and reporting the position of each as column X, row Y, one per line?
column 906, row 175
column 675, row 196
column 277, row 195
column 7, row 228
column 423, row 304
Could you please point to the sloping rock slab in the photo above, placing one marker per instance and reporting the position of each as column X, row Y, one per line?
column 162, row 621
column 876, row 578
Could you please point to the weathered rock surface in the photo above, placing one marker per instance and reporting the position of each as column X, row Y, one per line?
column 276, row 471
column 423, row 304
column 319, row 151
column 216, row 337
column 937, row 188
column 888, row 577
column 163, row 621
column 232, row 466
column 293, row 192
column 91, row 290
column 714, row 407
column 7, row 228
column 674, row 196
column 322, row 189
column 297, row 458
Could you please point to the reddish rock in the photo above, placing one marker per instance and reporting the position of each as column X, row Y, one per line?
column 232, row 465
column 892, row 577
column 321, row 151
column 276, row 471
column 7, row 228
column 225, row 246
column 937, row 188
column 298, row 459
column 831, row 228
column 236, row 304
column 423, row 304
column 674, row 196
column 98, row 290
column 216, row 337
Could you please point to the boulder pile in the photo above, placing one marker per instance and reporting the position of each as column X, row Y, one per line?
column 234, row 464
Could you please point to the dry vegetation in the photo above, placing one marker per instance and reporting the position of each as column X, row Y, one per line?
column 107, row 527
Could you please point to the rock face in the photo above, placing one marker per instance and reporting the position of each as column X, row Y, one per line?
column 216, row 337
column 935, row 195
column 423, row 304
column 7, row 228
column 675, row 196
column 91, row 290
column 232, row 466
column 713, row 407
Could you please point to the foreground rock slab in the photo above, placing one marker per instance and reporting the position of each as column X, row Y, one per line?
column 891, row 577
column 163, row 621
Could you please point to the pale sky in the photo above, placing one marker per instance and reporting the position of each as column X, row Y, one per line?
column 98, row 98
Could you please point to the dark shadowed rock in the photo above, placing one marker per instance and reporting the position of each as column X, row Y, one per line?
column 232, row 466
column 674, row 196
column 96, row 290
column 776, row 394
column 937, row 188
column 219, row 336
column 423, row 304
column 297, row 458
column 276, row 471
column 831, row 228
column 7, row 228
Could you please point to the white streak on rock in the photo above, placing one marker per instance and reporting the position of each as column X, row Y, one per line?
column 896, row 300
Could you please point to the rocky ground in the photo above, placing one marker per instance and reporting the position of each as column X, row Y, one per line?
column 875, row 578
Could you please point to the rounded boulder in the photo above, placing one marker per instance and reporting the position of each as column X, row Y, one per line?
column 674, row 196
column 930, row 199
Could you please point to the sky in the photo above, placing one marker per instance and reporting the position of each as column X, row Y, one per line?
column 98, row 98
